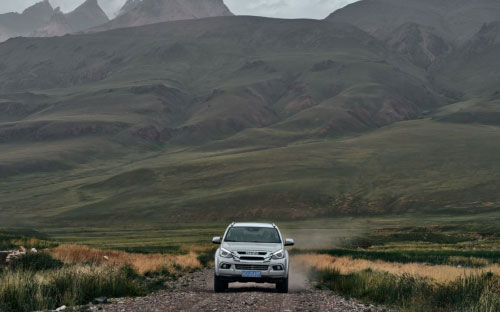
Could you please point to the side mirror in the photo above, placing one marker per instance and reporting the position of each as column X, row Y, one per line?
column 216, row 240
column 289, row 242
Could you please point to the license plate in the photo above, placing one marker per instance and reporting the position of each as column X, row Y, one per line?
column 251, row 274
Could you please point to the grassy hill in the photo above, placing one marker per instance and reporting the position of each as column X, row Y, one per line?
column 233, row 117
column 404, row 167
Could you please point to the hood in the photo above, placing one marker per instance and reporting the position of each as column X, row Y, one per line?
column 251, row 247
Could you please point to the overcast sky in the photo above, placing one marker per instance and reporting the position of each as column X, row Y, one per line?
column 272, row 8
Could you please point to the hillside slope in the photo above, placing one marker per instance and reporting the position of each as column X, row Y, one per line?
column 474, row 69
column 241, row 117
column 424, row 31
column 348, row 83
column 454, row 20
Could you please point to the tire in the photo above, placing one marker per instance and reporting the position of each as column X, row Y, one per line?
column 282, row 286
column 219, row 285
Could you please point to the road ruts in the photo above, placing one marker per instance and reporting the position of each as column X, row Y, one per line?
column 194, row 292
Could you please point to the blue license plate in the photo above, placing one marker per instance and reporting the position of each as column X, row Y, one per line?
column 251, row 274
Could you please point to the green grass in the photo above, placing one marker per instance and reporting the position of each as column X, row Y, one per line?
column 407, row 293
column 12, row 238
column 401, row 168
column 40, row 261
column 27, row 290
column 37, row 281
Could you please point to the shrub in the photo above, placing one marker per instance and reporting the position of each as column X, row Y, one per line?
column 75, row 285
column 35, row 262
column 142, row 263
column 409, row 293
column 206, row 257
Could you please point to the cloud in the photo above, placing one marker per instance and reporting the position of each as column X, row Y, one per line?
column 317, row 9
column 270, row 8
column 109, row 6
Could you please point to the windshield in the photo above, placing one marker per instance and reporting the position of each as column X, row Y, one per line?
column 253, row 235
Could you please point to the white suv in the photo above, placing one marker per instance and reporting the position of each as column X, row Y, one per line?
column 252, row 252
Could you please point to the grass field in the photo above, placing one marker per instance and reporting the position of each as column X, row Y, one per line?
column 434, row 262
column 418, row 264
column 397, row 169
column 75, row 275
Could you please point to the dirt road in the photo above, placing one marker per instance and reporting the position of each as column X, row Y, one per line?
column 194, row 292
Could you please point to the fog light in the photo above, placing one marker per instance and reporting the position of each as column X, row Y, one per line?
column 277, row 267
column 225, row 266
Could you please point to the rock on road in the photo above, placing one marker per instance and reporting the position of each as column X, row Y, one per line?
column 194, row 292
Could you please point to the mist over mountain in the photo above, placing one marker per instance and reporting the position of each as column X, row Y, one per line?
column 143, row 12
column 57, row 26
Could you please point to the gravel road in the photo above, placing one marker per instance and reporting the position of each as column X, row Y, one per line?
column 194, row 292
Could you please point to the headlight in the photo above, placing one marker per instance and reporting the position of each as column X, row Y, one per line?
column 224, row 253
column 280, row 254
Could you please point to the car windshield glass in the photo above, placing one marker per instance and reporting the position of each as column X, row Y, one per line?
column 253, row 235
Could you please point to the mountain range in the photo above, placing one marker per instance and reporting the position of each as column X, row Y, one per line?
column 424, row 30
column 231, row 117
column 41, row 20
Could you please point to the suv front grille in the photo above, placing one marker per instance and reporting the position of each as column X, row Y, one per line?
column 253, row 267
column 252, row 258
column 253, row 253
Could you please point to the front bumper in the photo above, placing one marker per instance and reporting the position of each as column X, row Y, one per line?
column 270, row 274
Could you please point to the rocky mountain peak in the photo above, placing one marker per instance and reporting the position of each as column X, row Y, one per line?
column 41, row 20
column 42, row 7
column 419, row 44
column 143, row 12
column 57, row 26
column 87, row 15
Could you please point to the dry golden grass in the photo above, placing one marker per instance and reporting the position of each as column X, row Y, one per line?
column 346, row 265
column 141, row 262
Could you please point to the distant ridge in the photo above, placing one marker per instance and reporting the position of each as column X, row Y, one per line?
column 422, row 30
column 22, row 24
column 455, row 20
column 42, row 20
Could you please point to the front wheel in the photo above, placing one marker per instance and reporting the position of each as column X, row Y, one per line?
column 282, row 286
column 219, row 285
